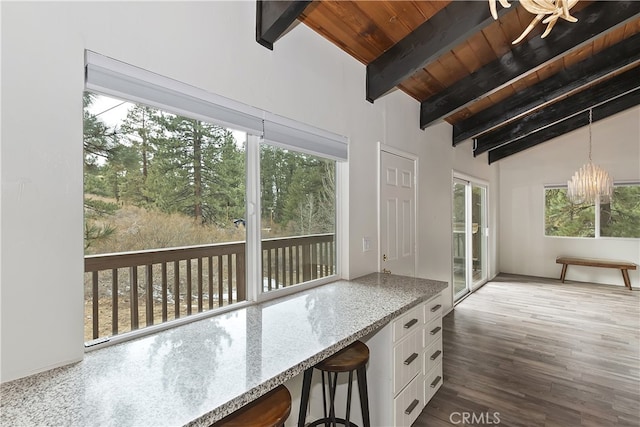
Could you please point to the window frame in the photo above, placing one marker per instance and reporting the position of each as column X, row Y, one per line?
column 110, row 77
column 253, row 147
column 597, row 234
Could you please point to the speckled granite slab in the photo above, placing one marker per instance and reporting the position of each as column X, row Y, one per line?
column 197, row 373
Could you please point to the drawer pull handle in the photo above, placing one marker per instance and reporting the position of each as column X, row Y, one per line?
column 435, row 308
column 435, row 330
column 410, row 323
column 435, row 355
column 411, row 359
column 436, row 381
column 412, row 406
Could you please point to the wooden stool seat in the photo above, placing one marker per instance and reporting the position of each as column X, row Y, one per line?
column 270, row 410
column 348, row 359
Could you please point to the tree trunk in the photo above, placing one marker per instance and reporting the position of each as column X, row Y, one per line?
column 197, row 172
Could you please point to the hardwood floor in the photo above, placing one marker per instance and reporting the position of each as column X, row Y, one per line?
column 523, row 351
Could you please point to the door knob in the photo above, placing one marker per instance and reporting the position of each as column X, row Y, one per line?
column 384, row 257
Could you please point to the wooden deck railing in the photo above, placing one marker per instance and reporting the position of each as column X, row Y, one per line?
column 167, row 284
column 292, row 260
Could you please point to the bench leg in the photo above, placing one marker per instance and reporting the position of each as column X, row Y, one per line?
column 564, row 272
column 625, row 277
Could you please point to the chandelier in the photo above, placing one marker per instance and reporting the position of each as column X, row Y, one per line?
column 556, row 9
column 590, row 182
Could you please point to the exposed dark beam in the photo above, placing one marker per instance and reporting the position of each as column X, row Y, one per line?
column 631, row 99
column 597, row 94
column 273, row 17
column 444, row 31
column 593, row 68
column 597, row 19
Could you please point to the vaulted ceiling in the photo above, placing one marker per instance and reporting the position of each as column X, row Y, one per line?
column 461, row 65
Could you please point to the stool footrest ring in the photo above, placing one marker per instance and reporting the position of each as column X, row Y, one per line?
column 324, row 421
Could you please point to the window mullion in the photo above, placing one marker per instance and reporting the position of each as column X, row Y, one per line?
column 253, row 246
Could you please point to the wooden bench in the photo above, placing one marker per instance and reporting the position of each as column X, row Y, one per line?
column 623, row 266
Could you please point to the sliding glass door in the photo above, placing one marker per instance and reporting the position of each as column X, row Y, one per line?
column 469, row 226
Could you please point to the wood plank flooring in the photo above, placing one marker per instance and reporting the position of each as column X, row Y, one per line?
column 525, row 351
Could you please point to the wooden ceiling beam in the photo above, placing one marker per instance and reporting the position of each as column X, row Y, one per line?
column 617, row 105
column 273, row 18
column 558, row 111
column 595, row 20
column 566, row 81
column 436, row 36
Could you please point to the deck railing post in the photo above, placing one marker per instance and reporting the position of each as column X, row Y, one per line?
column 306, row 262
column 241, row 287
column 133, row 303
column 94, row 291
column 149, row 299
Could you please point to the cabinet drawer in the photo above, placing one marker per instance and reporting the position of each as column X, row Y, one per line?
column 408, row 404
column 432, row 382
column 407, row 355
column 433, row 308
column 433, row 332
column 407, row 323
column 432, row 356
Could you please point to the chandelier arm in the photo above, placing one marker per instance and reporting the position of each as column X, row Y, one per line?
column 549, row 28
column 492, row 8
column 538, row 7
column 566, row 15
column 527, row 30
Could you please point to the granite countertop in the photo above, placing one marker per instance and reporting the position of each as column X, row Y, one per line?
column 197, row 373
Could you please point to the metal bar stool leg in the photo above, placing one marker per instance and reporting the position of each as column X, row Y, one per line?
column 333, row 386
column 349, row 387
column 364, row 396
column 304, row 402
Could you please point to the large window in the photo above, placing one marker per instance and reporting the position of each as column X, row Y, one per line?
column 164, row 230
column 619, row 218
column 194, row 202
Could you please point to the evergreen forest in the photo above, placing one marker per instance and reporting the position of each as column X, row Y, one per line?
column 156, row 180
column 620, row 217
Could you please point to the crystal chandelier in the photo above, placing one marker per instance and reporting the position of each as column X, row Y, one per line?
column 556, row 9
column 590, row 182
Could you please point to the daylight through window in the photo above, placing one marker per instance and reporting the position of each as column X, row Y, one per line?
column 619, row 218
column 164, row 228
column 298, row 201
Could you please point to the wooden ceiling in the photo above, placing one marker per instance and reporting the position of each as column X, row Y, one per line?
column 462, row 67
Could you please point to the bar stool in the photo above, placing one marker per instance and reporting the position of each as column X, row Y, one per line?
column 269, row 410
column 349, row 359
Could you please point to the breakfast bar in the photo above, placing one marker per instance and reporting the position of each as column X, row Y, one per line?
column 197, row 373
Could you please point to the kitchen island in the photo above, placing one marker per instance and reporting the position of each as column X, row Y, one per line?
column 197, row 373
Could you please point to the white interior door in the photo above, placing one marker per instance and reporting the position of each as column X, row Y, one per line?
column 397, row 214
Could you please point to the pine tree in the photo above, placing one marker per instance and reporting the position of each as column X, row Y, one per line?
column 99, row 145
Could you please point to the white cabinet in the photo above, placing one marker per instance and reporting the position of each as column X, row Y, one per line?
column 405, row 365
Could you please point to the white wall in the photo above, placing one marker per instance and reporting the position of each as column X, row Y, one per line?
column 523, row 247
column 209, row 45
